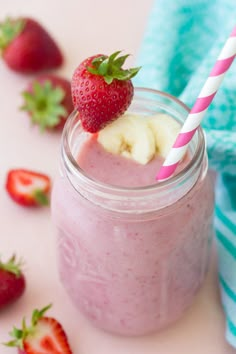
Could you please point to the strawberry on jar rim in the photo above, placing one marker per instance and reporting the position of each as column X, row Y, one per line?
column 12, row 281
column 27, row 47
column 28, row 188
column 44, row 335
column 102, row 90
column 47, row 100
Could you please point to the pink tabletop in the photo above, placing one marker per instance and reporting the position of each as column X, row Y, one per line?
column 82, row 28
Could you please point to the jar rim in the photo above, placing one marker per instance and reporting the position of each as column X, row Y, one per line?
column 73, row 165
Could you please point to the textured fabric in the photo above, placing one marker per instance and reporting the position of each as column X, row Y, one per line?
column 181, row 45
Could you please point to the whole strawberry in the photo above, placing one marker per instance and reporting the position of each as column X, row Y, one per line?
column 12, row 282
column 101, row 90
column 45, row 335
column 28, row 188
column 27, row 47
column 48, row 101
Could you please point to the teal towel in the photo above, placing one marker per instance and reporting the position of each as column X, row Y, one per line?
column 181, row 45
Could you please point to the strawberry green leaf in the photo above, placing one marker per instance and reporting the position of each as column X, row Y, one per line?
column 108, row 79
column 37, row 314
column 103, row 67
column 110, row 68
column 99, row 59
column 10, row 29
column 12, row 266
column 17, row 333
column 113, row 56
column 41, row 197
column 92, row 70
column 121, row 60
column 12, row 343
column 18, row 336
column 44, row 104
column 126, row 74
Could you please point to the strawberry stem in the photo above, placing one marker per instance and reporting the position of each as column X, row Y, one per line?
column 9, row 30
column 110, row 67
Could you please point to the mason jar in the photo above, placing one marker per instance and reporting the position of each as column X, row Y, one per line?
column 133, row 259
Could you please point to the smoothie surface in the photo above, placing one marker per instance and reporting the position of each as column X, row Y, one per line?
column 117, row 170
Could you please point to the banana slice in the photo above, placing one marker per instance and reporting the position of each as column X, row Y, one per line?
column 129, row 136
column 165, row 130
column 140, row 138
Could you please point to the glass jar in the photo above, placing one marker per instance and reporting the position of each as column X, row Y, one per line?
column 132, row 259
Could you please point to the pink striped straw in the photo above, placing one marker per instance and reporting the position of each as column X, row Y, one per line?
column 199, row 109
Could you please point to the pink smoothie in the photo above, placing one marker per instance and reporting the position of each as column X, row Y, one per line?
column 116, row 170
column 131, row 274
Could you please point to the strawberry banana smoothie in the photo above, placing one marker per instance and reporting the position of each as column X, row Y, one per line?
column 132, row 253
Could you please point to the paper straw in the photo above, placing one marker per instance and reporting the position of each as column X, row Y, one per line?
column 199, row 109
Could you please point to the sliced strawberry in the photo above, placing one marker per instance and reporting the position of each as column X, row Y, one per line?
column 53, row 338
column 28, row 188
column 12, row 281
column 27, row 47
column 101, row 90
column 45, row 335
column 48, row 101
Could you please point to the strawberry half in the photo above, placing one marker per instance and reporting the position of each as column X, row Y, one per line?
column 45, row 335
column 27, row 47
column 101, row 90
column 48, row 101
column 12, row 281
column 28, row 188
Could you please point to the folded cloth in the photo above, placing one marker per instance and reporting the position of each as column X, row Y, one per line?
column 181, row 45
